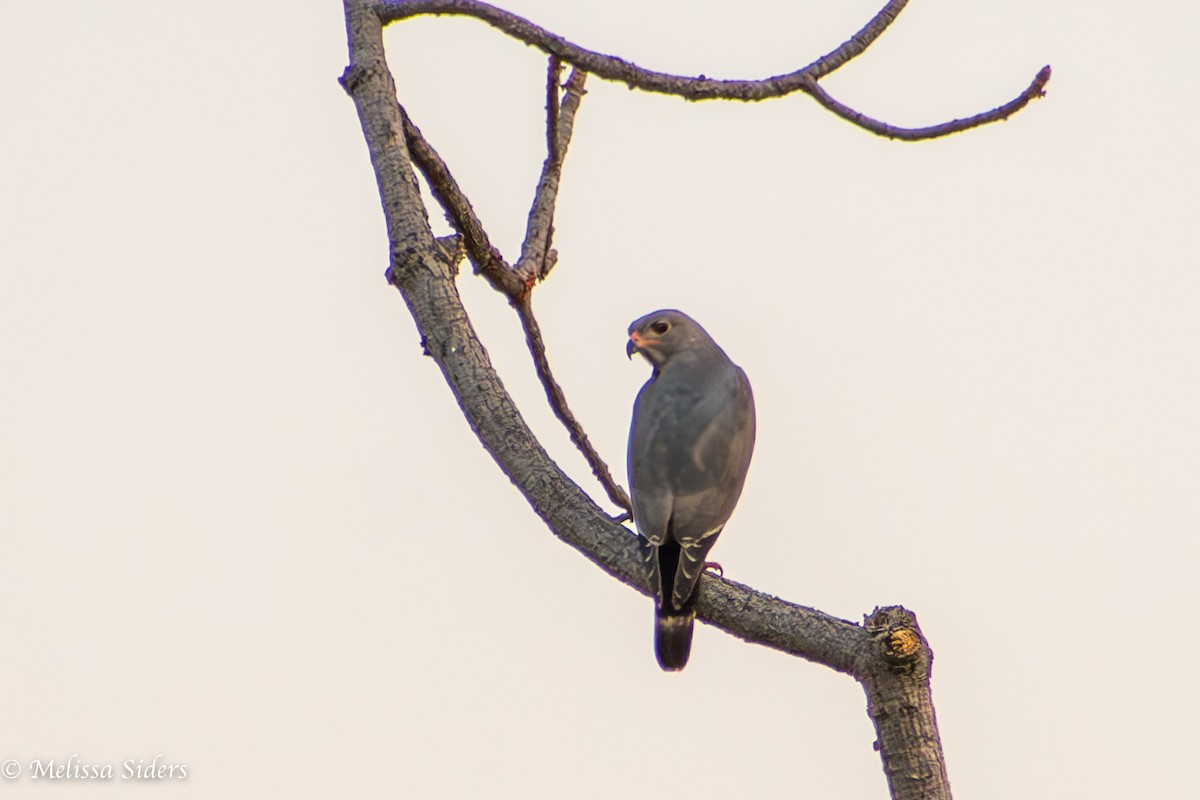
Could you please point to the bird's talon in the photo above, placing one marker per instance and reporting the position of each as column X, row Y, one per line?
column 712, row 566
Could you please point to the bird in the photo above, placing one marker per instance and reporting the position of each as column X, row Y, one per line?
column 690, row 444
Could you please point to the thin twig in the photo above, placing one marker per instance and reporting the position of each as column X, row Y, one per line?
column 1034, row 90
column 558, row 403
column 606, row 66
column 537, row 259
column 701, row 87
column 856, row 44
column 487, row 259
column 553, row 76
column 515, row 284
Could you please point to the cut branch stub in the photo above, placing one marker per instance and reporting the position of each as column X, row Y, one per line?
column 895, row 673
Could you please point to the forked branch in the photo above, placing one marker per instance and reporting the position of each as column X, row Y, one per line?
column 536, row 257
column 804, row 80
column 487, row 259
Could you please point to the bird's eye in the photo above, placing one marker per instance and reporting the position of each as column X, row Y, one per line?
column 660, row 327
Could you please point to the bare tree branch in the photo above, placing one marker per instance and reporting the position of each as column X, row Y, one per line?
column 856, row 44
column 487, row 259
column 605, row 66
column 516, row 284
column 553, row 76
column 537, row 257
column 558, row 403
column 702, row 87
column 1034, row 90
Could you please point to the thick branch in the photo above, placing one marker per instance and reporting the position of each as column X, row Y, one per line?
column 702, row 87
column 895, row 675
column 754, row 616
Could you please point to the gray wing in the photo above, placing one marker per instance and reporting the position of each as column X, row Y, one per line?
column 649, row 469
column 689, row 450
column 711, row 483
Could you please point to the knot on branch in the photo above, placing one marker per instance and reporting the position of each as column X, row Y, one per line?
column 353, row 77
column 406, row 263
column 903, row 643
column 898, row 640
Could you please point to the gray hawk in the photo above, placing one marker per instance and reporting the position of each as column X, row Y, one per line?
column 689, row 449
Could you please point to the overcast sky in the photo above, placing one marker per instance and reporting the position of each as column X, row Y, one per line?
column 243, row 522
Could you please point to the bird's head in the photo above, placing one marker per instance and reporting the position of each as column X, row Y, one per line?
column 661, row 335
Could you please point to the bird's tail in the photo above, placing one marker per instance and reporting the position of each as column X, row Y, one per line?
column 673, row 637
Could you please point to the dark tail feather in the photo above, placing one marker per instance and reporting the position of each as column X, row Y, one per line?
column 673, row 638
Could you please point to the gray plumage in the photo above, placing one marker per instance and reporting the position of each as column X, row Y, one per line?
column 689, row 450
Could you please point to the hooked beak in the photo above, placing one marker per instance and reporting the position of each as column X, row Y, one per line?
column 638, row 344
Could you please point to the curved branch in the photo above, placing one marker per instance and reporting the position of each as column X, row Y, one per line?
column 856, row 44
column 618, row 69
column 1033, row 91
column 803, row 80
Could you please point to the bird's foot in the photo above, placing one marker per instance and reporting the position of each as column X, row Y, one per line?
column 712, row 566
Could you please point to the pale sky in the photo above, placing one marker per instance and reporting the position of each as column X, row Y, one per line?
column 243, row 522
